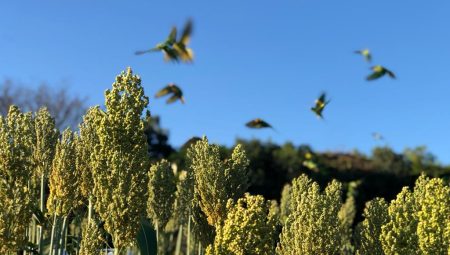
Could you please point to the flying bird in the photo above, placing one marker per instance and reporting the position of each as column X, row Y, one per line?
column 191, row 141
column 258, row 124
column 377, row 136
column 320, row 104
column 365, row 53
column 173, row 89
column 181, row 46
column 174, row 49
column 166, row 47
column 378, row 72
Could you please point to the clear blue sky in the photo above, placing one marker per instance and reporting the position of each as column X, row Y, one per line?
column 267, row 59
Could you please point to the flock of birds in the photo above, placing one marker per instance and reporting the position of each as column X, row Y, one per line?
column 176, row 50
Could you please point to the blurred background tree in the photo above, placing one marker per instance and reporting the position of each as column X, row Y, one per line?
column 382, row 173
column 64, row 106
column 157, row 139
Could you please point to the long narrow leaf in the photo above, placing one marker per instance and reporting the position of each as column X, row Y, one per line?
column 146, row 239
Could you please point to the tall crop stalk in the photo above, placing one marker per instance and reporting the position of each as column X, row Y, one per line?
column 43, row 154
column 179, row 240
column 188, row 241
column 119, row 160
column 16, row 147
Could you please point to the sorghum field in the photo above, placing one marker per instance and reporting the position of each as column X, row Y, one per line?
column 104, row 179
column 87, row 191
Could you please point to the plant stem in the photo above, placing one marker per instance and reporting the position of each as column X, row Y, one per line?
column 179, row 239
column 90, row 209
column 62, row 236
column 53, row 235
column 188, row 241
column 42, row 208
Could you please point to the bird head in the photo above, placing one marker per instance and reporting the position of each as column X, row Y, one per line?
column 377, row 68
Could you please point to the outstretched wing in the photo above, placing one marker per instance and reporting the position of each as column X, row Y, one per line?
column 173, row 99
column 264, row 124
column 251, row 124
column 185, row 53
column 164, row 91
column 172, row 37
column 322, row 98
column 374, row 76
column 390, row 73
column 258, row 123
column 187, row 31
column 191, row 141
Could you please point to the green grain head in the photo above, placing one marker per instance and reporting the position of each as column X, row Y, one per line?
column 119, row 161
column 17, row 139
column 369, row 230
column 313, row 226
column 216, row 181
column 46, row 139
column 161, row 193
column 249, row 228
column 64, row 191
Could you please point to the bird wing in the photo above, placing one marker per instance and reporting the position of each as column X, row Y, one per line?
column 251, row 124
column 365, row 53
column 258, row 123
column 368, row 57
column 164, row 91
column 185, row 54
column 390, row 73
column 374, row 76
column 377, row 136
column 191, row 141
column 175, row 89
column 322, row 98
column 317, row 111
column 187, row 31
column 172, row 99
column 172, row 36
column 170, row 54
column 265, row 124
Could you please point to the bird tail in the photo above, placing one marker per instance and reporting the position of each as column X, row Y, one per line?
column 140, row 52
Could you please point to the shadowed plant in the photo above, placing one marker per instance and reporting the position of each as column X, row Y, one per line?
column 161, row 197
column 216, row 181
column 17, row 138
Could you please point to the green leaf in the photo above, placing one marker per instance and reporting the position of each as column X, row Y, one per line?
column 146, row 238
column 38, row 216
